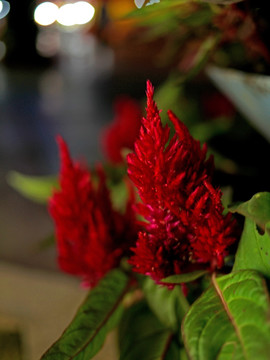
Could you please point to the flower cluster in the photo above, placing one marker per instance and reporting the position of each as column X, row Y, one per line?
column 91, row 236
column 185, row 225
column 185, row 228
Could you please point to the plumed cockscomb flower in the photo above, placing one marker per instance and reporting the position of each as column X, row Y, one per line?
column 185, row 227
column 91, row 236
column 124, row 129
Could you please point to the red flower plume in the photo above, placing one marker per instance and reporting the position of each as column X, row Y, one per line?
column 91, row 236
column 185, row 223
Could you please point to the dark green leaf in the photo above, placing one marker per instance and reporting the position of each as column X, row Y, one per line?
column 230, row 320
column 100, row 312
column 144, row 337
column 35, row 188
column 253, row 250
column 184, row 278
column 170, row 306
column 257, row 208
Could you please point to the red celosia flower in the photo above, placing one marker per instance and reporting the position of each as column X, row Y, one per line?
column 124, row 130
column 185, row 225
column 91, row 236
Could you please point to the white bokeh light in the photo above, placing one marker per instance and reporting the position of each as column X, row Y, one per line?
column 66, row 15
column 83, row 12
column 46, row 13
column 77, row 13
column 1, row 6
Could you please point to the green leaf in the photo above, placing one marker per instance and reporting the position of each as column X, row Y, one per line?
column 230, row 320
column 253, row 250
column 169, row 305
column 35, row 188
column 184, row 278
column 100, row 312
column 142, row 336
column 119, row 195
column 204, row 131
column 257, row 208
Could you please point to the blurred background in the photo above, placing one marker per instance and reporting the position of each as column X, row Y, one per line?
column 56, row 77
column 62, row 66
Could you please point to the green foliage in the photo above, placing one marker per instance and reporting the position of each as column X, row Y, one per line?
column 256, row 209
column 142, row 336
column 253, row 250
column 169, row 305
column 184, row 278
column 230, row 320
column 99, row 314
column 35, row 188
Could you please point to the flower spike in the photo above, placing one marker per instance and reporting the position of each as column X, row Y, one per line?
column 91, row 236
column 185, row 228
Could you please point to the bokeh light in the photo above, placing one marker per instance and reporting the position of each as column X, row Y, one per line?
column 77, row 13
column 83, row 12
column 4, row 8
column 46, row 13
column 69, row 14
column 66, row 15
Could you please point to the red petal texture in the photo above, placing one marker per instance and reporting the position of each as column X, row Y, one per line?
column 124, row 129
column 91, row 236
column 185, row 227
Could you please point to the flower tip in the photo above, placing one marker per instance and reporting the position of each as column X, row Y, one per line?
column 59, row 139
column 149, row 87
column 63, row 150
column 61, row 144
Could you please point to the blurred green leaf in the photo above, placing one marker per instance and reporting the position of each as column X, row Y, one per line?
column 206, row 130
column 119, row 195
column 35, row 188
column 230, row 320
column 99, row 314
column 142, row 336
column 169, row 305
